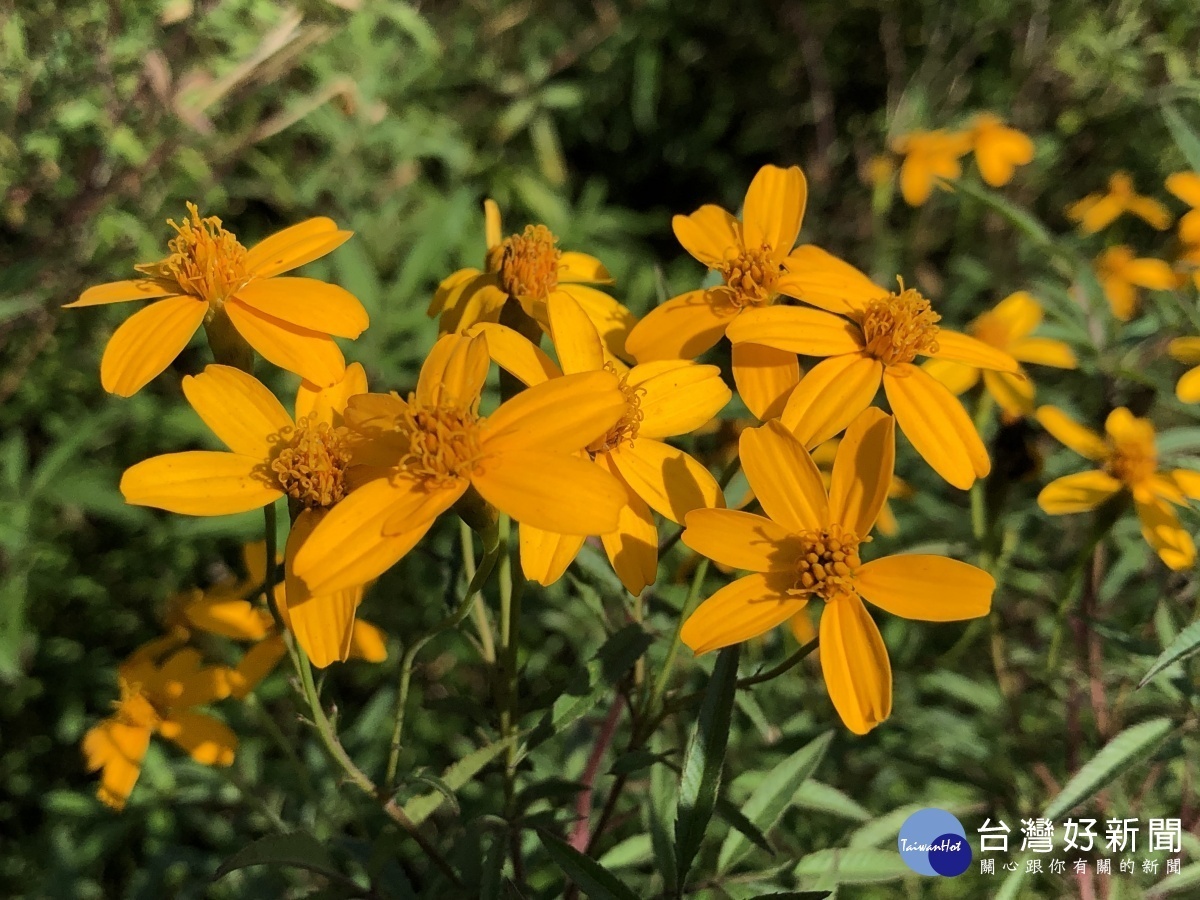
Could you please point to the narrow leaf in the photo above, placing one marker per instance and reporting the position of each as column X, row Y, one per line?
column 422, row 807
column 593, row 879
column 1186, row 643
column 1185, row 139
column 1131, row 746
column 298, row 850
column 856, row 866
column 1186, row 880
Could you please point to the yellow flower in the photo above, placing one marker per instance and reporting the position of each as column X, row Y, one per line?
column 877, row 343
column 1187, row 350
column 807, row 546
column 662, row 399
column 1120, row 274
column 1007, row 327
column 211, row 279
column 1097, row 211
column 824, row 456
column 1186, row 186
column 999, row 149
column 160, row 686
column 879, row 171
column 930, row 157
column 529, row 269
column 431, row 448
column 1128, row 461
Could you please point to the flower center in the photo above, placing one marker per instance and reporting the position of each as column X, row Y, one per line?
column 206, row 261
column 527, row 263
column 1131, row 463
column 311, row 468
column 899, row 327
column 627, row 426
column 443, row 442
column 751, row 276
column 827, row 561
column 134, row 707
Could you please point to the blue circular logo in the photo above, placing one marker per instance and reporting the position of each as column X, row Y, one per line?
column 933, row 842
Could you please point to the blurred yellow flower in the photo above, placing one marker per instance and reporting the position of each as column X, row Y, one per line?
column 161, row 685
column 1128, row 461
column 662, row 399
column 1099, row 210
column 808, row 546
column 879, row 170
column 999, row 149
column 211, row 279
column 1187, row 350
column 529, row 269
column 429, row 450
column 930, row 158
column 877, row 343
column 1186, row 186
column 1121, row 274
column 1007, row 327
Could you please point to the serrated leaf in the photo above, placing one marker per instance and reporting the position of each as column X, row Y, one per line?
column 773, row 795
column 700, row 778
column 421, row 808
column 298, row 850
column 853, row 865
column 1185, row 139
column 1186, row 643
column 1129, row 747
column 593, row 879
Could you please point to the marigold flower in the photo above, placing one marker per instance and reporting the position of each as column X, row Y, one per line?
column 1186, row 186
column 529, row 269
column 1007, row 327
column 432, row 447
column 1128, row 461
column 808, row 546
column 211, row 279
column 1187, row 350
column 1121, row 274
column 1099, row 210
column 662, row 399
column 877, row 343
column 999, row 149
column 930, row 158
column 161, row 684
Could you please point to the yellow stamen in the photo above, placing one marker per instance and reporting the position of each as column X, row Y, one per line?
column 206, row 261
column 527, row 263
column 899, row 327
column 627, row 426
column 311, row 467
column 827, row 561
column 751, row 276
column 1132, row 462
column 443, row 442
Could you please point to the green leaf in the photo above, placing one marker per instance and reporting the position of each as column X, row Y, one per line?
column 657, row 813
column 1186, row 643
column 1186, row 879
column 632, row 851
column 298, row 850
column 700, row 779
column 773, row 795
column 616, row 657
column 887, row 826
column 1131, row 746
column 1011, row 889
column 815, row 795
column 1185, row 139
column 853, row 866
column 738, row 821
column 592, row 878
column 796, row 895
column 421, row 808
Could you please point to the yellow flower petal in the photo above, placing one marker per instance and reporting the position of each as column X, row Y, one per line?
column 1020, row 314
column 545, row 555
column 936, row 424
column 480, row 300
column 561, row 415
column 576, row 267
column 493, row 229
column 774, row 209
column 117, row 749
column 862, row 471
column 855, row 664
column 820, row 278
column 829, row 397
column 310, row 354
column 1013, row 394
column 798, row 329
column 1151, row 211
column 322, row 624
column 1185, row 350
column 958, row 347
column 611, row 320
column 633, row 547
column 1070, row 433
column 200, row 483
column 516, row 354
column 682, row 328
column 1185, row 186
column 1123, row 427
column 999, row 150
column 124, row 291
column 1187, row 388
column 1095, row 212
column 784, row 478
column 575, row 338
column 1077, row 493
column 678, row 396
column 207, row 740
column 710, row 234
column 739, row 611
column 454, row 372
column 450, row 290
column 1162, row 531
column 551, row 491
column 927, row 588
column 667, row 478
column 765, row 377
column 147, row 342
column 916, row 181
column 228, row 616
column 1154, row 274
column 1188, row 482
column 368, row 642
column 307, row 303
column 293, row 247
column 238, row 409
column 258, row 662
column 1044, row 352
column 740, row 540
column 329, row 404
column 957, row 378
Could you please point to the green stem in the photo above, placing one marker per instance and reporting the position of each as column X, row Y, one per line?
column 679, row 703
column 660, row 684
column 483, row 625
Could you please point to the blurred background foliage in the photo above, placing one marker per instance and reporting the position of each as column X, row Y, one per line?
column 601, row 120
